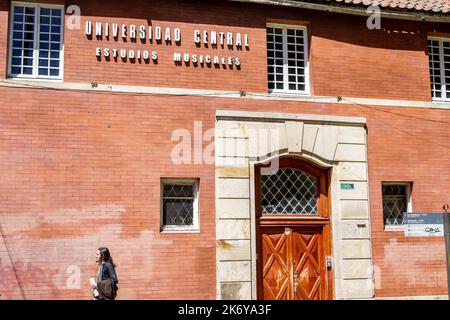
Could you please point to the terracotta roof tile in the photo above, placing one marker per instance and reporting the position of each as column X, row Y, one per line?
column 436, row 6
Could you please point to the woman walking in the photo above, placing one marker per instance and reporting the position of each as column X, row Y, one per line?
column 105, row 285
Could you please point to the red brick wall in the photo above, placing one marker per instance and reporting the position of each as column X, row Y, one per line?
column 347, row 59
column 82, row 170
column 82, row 65
column 409, row 148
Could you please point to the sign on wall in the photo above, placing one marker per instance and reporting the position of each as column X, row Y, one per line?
column 224, row 44
column 424, row 224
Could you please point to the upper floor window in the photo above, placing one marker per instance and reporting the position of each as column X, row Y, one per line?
column 396, row 201
column 36, row 41
column 287, row 58
column 439, row 54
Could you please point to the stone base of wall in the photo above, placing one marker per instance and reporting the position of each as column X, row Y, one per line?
column 414, row 298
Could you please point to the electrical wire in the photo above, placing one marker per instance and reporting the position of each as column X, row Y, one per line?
column 393, row 113
column 408, row 133
column 244, row 94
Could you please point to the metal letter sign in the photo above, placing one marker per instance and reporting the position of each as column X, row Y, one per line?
column 425, row 224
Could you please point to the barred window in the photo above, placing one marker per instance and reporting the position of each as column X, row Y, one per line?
column 287, row 58
column 396, row 201
column 289, row 191
column 439, row 55
column 36, row 48
column 179, row 204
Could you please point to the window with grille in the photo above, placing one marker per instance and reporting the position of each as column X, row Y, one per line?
column 396, row 201
column 439, row 55
column 179, row 205
column 36, row 47
column 289, row 191
column 287, row 58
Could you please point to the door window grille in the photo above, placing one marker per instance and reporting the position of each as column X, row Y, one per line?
column 289, row 191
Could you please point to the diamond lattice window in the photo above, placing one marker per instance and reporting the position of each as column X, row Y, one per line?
column 395, row 203
column 289, row 191
column 179, row 204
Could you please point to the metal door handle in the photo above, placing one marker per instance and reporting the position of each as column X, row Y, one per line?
column 329, row 263
column 295, row 283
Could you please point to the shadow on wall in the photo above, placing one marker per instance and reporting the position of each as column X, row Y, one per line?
column 394, row 34
column 195, row 11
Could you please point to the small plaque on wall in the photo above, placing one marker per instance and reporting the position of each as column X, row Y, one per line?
column 347, row 186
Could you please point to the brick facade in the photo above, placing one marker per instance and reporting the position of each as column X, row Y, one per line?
column 82, row 169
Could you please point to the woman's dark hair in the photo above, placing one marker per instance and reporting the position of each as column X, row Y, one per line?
column 106, row 256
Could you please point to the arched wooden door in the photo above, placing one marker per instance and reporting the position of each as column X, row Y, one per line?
column 293, row 232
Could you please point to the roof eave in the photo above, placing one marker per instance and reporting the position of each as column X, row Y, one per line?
column 359, row 11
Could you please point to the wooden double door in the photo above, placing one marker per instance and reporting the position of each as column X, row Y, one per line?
column 293, row 263
column 293, row 231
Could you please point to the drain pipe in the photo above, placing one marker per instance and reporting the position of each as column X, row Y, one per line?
column 447, row 246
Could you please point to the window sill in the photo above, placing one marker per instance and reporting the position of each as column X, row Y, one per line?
column 179, row 230
column 441, row 101
column 289, row 94
column 30, row 79
column 394, row 229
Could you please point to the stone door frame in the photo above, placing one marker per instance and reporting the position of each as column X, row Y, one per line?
column 244, row 139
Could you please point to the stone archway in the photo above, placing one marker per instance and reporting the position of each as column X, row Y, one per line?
column 245, row 139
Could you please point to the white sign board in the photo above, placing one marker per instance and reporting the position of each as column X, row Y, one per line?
column 424, row 224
